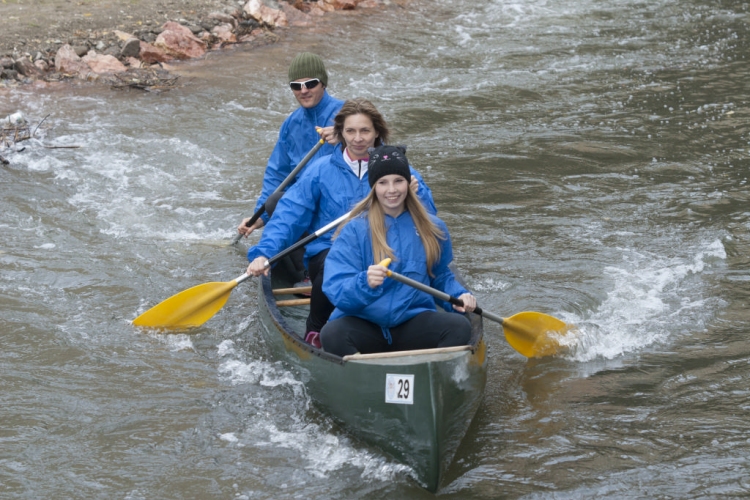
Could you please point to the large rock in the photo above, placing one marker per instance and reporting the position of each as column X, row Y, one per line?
column 179, row 42
column 8, row 74
column 133, row 62
column 225, row 33
column 151, row 55
column 323, row 6
column 42, row 65
column 68, row 62
column 80, row 50
column 131, row 48
column 296, row 17
column 343, row 4
column 270, row 15
column 25, row 67
column 102, row 64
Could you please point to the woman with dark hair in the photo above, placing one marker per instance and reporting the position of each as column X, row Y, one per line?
column 373, row 314
column 327, row 189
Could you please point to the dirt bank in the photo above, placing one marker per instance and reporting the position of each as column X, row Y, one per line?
column 31, row 26
column 32, row 32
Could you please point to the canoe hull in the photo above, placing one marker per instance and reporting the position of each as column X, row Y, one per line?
column 423, row 425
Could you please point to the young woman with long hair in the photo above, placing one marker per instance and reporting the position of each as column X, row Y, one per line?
column 373, row 314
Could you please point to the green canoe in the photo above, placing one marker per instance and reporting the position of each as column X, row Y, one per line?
column 414, row 405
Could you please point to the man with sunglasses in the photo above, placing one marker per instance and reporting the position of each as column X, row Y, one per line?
column 308, row 80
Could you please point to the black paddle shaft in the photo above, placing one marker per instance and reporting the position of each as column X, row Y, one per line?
column 442, row 295
column 307, row 239
column 283, row 185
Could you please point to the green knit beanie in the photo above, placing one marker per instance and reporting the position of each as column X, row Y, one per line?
column 308, row 65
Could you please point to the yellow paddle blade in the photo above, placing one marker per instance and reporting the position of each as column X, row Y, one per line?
column 189, row 308
column 534, row 334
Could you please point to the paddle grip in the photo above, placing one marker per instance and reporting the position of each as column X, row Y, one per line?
column 460, row 303
column 250, row 222
column 477, row 310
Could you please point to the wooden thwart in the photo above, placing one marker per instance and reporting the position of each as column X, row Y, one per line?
column 292, row 302
column 396, row 354
column 292, row 291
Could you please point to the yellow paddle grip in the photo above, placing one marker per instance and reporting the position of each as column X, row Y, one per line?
column 385, row 263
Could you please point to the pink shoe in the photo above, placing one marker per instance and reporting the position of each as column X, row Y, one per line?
column 313, row 338
column 305, row 283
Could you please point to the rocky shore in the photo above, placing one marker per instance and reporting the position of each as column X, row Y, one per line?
column 126, row 44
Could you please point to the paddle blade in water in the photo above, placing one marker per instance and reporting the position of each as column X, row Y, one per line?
column 189, row 308
column 534, row 334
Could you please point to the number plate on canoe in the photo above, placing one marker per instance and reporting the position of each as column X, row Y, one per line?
column 399, row 389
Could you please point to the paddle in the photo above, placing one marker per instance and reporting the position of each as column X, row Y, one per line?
column 196, row 305
column 283, row 185
column 532, row 334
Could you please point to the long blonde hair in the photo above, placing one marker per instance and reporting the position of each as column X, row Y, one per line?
column 428, row 231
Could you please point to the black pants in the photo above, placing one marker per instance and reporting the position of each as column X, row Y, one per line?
column 349, row 335
column 320, row 307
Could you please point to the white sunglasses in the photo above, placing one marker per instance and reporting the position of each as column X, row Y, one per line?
column 309, row 84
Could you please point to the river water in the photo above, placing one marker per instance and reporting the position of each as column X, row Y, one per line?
column 590, row 159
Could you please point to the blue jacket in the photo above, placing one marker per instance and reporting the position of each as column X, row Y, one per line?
column 326, row 189
column 392, row 303
column 296, row 138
